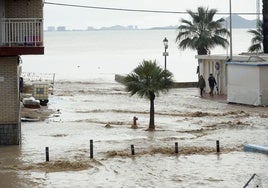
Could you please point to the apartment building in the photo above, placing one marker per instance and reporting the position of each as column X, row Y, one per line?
column 21, row 33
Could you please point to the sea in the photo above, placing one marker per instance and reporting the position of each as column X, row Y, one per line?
column 101, row 54
column 89, row 106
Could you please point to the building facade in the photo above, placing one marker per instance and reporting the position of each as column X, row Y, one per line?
column 21, row 33
column 247, row 83
column 227, row 72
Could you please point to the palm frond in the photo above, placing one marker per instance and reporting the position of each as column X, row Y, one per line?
column 148, row 78
column 257, row 38
column 202, row 32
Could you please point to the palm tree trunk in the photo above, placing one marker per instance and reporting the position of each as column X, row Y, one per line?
column 151, row 123
column 202, row 51
column 265, row 25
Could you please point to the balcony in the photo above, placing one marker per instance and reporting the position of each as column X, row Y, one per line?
column 21, row 36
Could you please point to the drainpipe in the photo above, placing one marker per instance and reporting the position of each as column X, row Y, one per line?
column 19, row 105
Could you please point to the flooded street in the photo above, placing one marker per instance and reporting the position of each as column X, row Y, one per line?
column 82, row 111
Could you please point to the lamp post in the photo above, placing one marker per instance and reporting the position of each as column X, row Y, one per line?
column 230, row 22
column 165, row 42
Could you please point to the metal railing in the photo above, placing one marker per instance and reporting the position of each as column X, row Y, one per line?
column 21, row 32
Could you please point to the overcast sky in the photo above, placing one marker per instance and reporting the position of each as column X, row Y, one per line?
column 82, row 18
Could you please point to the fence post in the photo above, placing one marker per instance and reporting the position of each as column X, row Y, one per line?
column 47, row 154
column 91, row 149
column 218, row 146
column 132, row 150
column 176, row 147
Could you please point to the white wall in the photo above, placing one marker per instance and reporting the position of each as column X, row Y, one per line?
column 264, row 84
column 243, row 84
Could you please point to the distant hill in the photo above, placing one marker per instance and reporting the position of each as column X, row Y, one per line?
column 237, row 22
column 240, row 22
column 164, row 28
column 114, row 27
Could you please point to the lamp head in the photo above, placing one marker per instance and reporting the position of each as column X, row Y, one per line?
column 165, row 42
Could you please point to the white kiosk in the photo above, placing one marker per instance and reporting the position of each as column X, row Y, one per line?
column 247, row 83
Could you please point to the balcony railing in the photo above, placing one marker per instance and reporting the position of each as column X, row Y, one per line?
column 21, row 32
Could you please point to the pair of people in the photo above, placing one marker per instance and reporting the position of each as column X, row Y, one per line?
column 202, row 84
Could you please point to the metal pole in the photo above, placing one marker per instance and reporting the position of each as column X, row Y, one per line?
column 47, row 154
column 165, row 58
column 231, row 38
column 91, row 148
column 249, row 180
column 132, row 149
column 176, row 147
column 218, row 146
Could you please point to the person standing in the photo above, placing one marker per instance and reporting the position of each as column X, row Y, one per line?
column 201, row 84
column 212, row 82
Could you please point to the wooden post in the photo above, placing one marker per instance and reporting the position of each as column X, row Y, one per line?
column 132, row 150
column 91, row 149
column 176, row 147
column 47, row 154
column 218, row 146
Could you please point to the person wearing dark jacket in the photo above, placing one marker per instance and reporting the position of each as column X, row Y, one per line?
column 212, row 82
column 201, row 84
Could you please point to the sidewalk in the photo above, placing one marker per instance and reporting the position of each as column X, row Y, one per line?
column 219, row 98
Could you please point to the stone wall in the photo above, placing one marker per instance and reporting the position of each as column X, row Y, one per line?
column 9, row 101
column 24, row 9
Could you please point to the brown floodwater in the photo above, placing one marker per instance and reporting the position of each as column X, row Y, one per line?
column 81, row 112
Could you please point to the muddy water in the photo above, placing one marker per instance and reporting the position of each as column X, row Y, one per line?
column 84, row 110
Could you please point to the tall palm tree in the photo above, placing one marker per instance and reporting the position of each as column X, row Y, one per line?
column 202, row 33
column 257, row 40
column 148, row 80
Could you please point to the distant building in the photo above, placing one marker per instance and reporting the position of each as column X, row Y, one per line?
column 51, row 28
column 130, row 27
column 90, row 28
column 61, row 28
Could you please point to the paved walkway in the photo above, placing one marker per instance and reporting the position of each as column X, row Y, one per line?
column 220, row 98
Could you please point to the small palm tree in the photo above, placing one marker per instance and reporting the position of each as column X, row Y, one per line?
column 148, row 80
column 202, row 33
column 257, row 40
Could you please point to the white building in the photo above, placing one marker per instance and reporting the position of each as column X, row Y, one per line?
column 247, row 83
column 244, row 79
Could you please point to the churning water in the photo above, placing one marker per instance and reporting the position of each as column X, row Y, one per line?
column 87, row 99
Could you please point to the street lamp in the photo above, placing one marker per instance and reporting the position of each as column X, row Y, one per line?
column 230, row 22
column 165, row 42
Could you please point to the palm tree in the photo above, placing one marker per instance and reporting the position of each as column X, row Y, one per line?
column 148, row 80
column 202, row 33
column 257, row 40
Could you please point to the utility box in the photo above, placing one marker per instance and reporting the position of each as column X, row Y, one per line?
column 40, row 92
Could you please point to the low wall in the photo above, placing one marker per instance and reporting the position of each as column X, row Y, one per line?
column 120, row 79
column 185, row 84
